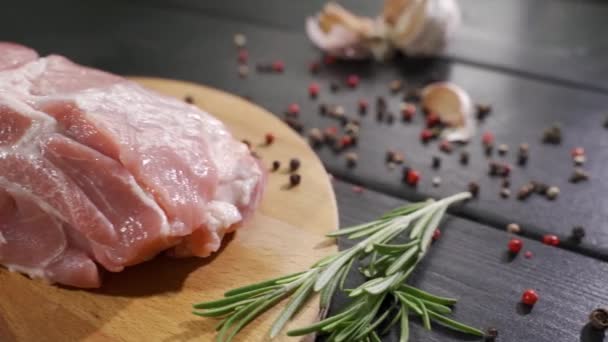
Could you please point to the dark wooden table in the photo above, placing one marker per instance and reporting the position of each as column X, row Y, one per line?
column 536, row 61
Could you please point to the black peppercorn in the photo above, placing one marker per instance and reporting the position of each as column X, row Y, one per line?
column 506, row 183
column 323, row 109
column 578, row 233
column 474, row 189
column 390, row 118
column 436, row 162
column 294, row 124
column 276, row 165
column 491, row 334
column 334, row 86
column 483, row 111
column 552, row 135
column 189, row 99
column 380, row 104
column 294, row 164
column 579, row 175
column 464, row 158
column 488, row 149
column 294, row 179
column 395, row 86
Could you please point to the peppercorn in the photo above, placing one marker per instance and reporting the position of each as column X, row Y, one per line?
column 276, row 165
column 329, row 134
column 294, row 124
column 483, row 111
column 528, row 255
column 346, row 141
column 269, row 138
column 446, row 146
column 513, row 228
column 436, row 181
column 551, row 240
column 323, row 109
column 579, row 160
column 426, row 135
column 525, row 191
column 295, row 179
column 351, row 159
column 395, row 86
column 293, row 109
column 578, row 233
column 436, row 162
column 487, row 138
column 352, row 81
column 579, row 175
column 243, row 56
column 240, row 40
column 599, row 319
column 436, row 234
column 390, row 118
column 515, row 245
column 577, row 151
column 506, row 183
column 351, row 129
column 491, row 334
column 363, row 106
column 505, row 193
column 278, row 66
column 474, row 189
column 294, row 164
column 503, row 149
column 412, row 177
column 313, row 90
column 464, row 158
column 408, row 111
column 432, row 120
column 488, row 149
column 552, row 135
column 552, row 192
column 522, row 155
column 529, row 297
column 334, row 86
column 189, row 99
column 314, row 67
column 315, row 136
column 494, row 168
column 381, row 104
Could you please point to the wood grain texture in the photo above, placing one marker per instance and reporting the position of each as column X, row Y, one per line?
column 152, row 301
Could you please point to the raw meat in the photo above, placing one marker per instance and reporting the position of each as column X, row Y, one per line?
column 96, row 170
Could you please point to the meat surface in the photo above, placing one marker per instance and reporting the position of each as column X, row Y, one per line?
column 98, row 171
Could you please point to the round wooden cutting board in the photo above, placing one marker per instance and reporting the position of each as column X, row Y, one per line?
column 152, row 301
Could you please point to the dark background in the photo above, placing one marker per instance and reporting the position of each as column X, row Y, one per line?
column 537, row 62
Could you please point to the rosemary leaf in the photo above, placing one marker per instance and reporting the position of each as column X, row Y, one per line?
column 328, row 291
column 404, row 210
column 393, row 321
column 353, row 229
column 260, row 285
column 401, row 261
column 383, row 285
column 431, row 227
column 372, row 326
column 427, row 296
column 345, row 273
column 319, row 325
column 236, row 298
column 219, row 311
column 450, row 323
column 334, row 267
column 405, row 326
column 293, row 306
column 408, row 303
column 438, row 308
column 391, row 249
column 420, row 224
column 373, row 337
column 426, row 319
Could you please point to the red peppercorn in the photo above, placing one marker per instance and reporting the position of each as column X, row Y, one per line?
column 346, row 141
column 363, row 104
column 329, row 59
column 487, row 138
column 436, row 234
column 408, row 112
column 528, row 255
column 278, row 66
column 529, row 297
column 515, row 246
column 577, row 151
column 412, row 177
column 445, row 146
column 269, row 138
column 243, row 56
column 352, row 81
column 551, row 240
column 426, row 135
column 432, row 120
column 357, row 189
column 313, row 89
column 293, row 109
column 314, row 67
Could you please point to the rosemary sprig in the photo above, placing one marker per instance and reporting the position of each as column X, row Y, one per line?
column 386, row 265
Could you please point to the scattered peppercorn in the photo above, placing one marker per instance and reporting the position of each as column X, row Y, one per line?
column 487, row 138
column 395, row 86
column 426, row 135
column 552, row 192
column 380, row 104
column 323, row 109
column 578, row 233
column 408, row 111
column 240, row 40
column 488, row 149
column 523, row 153
column 552, row 135
column 529, row 297
column 579, row 175
column 464, row 158
column 243, row 71
column 243, row 56
column 506, row 183
column 579, row 160
column 528, row 255
column 189, row 99
column 351, row 159
column 432, row 120
column 483, row 111
column 436, row 181
column 525, row 191
column 599, row 319
column 503, row 149
column 314, row 67
column 352, row 81
column 293, row 109
column 295, row 179
column 313, row 90
column 446, row 146
column 269, row 138
column 513, row 228
column 491, row 334
column 436, row 162
column 276, row 165
column 412, row 177
column 315, row 136
column 505, row 193
column 329, row 134
column 294, row 164
column 474, row 189
column 278, row 66
column 436, row 234
column 515, row 245
column 334, row 86
column 363, row 106
column 577, row 151
column 294, row 124
column 346, row 141
column 551, row 240
column 390, row 118
column 357, row 189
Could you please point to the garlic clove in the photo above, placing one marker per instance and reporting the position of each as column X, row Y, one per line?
column 408, row 24
column 454, row 107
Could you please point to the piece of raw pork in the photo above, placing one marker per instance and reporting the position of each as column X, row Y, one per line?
column 98, row 171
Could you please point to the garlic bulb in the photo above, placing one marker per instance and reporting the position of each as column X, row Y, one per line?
column 454, row 107
column 416, row 27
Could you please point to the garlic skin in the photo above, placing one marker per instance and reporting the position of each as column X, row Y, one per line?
column 416, row 27
column 454, row 107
